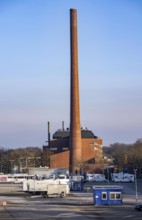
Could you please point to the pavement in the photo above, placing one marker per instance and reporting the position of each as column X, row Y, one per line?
column 15, row 204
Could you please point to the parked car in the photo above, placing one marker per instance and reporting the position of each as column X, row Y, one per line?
column 138, row 207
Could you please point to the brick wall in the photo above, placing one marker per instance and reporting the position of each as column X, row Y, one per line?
column 91, row 148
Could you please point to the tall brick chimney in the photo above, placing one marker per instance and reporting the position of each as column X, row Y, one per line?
column 75, row 128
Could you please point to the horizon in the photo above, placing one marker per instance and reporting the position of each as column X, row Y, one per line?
column 35, row 69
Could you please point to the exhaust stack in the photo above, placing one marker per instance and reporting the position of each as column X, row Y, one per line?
column 75, row 131
column 48, row 133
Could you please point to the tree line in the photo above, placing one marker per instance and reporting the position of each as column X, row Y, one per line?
column 126, row 157
column 19, row 159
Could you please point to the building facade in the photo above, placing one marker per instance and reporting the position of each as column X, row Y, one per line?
column 59, row 148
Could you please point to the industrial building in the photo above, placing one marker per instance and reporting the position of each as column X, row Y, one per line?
column 59, row 148
column 73, row 147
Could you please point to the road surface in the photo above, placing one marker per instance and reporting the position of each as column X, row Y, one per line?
column 16, row 205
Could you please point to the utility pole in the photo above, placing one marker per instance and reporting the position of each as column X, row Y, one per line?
column 136, row 188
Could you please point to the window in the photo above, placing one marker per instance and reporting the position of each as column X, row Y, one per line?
column 65, row 148
column 104, row 195
column 95, row 143
column 94, row 148
column 115, row 195
column 53, row 148
column 118, row 195
column 112, row 196
column 92, row 143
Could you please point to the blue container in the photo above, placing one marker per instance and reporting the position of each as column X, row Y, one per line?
column 107, row 195
column 77, row 186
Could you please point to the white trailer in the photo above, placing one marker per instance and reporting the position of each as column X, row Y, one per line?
column 122, row 177
column 61, row 190
column 95, row 177
column 15, row 178
column 32, row 185
column 46, row 172
column 38, row 186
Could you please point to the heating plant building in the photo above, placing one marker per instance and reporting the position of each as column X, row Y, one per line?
column 74, row 147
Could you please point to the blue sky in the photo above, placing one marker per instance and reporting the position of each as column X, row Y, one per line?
column 35, row 69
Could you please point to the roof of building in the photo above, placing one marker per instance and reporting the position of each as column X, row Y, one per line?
column 64, row 134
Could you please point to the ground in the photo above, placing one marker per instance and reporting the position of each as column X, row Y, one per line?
column 14, row 204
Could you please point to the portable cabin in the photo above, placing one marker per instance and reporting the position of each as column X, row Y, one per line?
column 107, row 195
